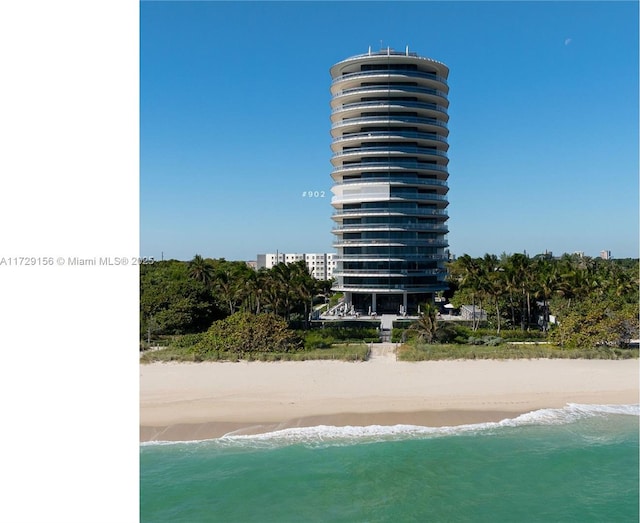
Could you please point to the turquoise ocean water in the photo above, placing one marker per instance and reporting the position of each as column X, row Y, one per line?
column 579, row 463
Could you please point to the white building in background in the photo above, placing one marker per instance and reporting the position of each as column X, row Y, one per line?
column 320, row 265
column 605, row 255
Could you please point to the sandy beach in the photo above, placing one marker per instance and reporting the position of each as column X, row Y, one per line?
column 189, row 401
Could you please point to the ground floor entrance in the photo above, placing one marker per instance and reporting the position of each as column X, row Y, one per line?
column 405, row 303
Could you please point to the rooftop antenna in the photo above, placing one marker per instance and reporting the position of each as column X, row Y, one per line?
column 407, row 51
column 369, row 50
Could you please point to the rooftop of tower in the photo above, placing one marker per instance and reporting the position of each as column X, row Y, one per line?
column 388, row 51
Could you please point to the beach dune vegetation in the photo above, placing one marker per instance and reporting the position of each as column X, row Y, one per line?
column 244, row 332
column 507, row 351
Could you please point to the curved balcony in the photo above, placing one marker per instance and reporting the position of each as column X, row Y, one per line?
column 390, row 149
column 388, row 73
column 390, row 89
column 397, row 180
column 389, row 120
column 388, row 272
column 390, row 242
column 390, row 289
column 337, row 200
column 397, row 166
column 389, row 135
column 388, row 258
column 355, row 227
column 389, row 104
column 389, row 212
column 366, row 273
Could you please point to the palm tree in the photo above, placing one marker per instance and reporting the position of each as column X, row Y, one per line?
column 623, row 282
column 201, row 270
column 427, row 324
column 547, row 280
column 281, row 274
column 227, row 286
column 518, row 275
column 303, row 287
column 259, row 283
column 494, row 282
column 271, row 292
column 467, row 270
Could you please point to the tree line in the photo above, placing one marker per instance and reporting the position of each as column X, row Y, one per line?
column 178, row 297
column 592, row 300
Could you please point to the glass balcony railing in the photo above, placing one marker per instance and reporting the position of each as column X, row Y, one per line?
column 390, row 103
column 391, row 242
column 388, row 257
column 379, row 211
column 393, row 164
column 392, row 148
column 387, row 272
column 391, row 89
column 388, row 120
column 368, row 273
column 392, row 134
column 391, row 227
column 388, row 73
column 396, row 180
column 394, row 197
column 379, row 289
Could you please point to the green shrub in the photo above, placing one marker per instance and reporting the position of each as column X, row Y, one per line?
column 317, row 340
column 401, row 334
column 347, row 333
column 187, row 340
column 510, row 334
column 490, row 341
column 244, row 332
column 462, row 331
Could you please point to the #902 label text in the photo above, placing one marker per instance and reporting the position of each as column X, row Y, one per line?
column 313, row 194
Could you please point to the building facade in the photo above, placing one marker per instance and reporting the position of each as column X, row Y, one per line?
column 389, row 143
column 320, row 265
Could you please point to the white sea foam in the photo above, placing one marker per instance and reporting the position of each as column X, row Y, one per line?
column 327, row 434
column 571, row 412
column 164, row 442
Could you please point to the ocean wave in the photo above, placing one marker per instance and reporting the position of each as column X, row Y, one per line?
column 321, row 435
column 570, row 413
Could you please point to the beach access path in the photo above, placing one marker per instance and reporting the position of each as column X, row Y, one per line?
column 382, row 352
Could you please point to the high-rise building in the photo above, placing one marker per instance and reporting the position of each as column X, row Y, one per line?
column 389, row 129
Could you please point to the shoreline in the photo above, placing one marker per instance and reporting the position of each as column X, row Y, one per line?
column 195, row 401
column 218, row 429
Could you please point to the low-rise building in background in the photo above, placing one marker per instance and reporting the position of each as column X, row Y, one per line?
column 320, row 265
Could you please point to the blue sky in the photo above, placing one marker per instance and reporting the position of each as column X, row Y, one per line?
column 234, row 122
